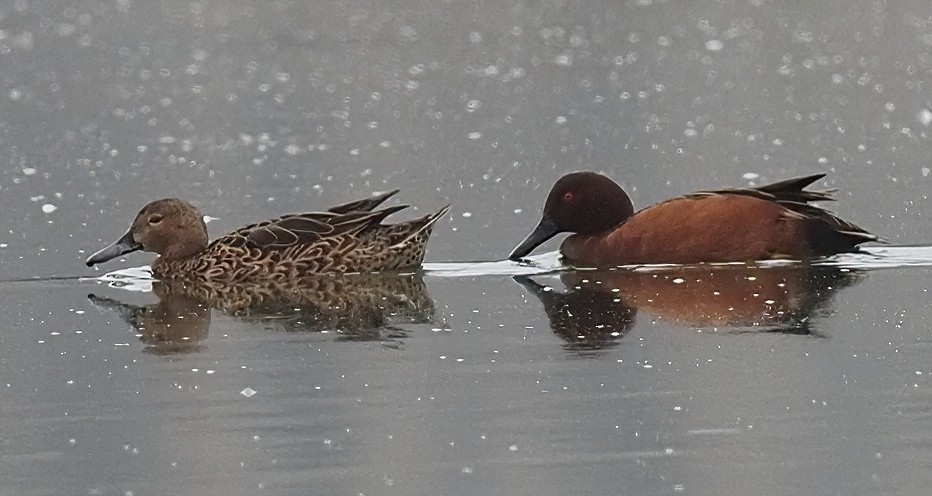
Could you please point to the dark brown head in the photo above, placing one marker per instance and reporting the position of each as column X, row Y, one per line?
column 581, row 202
column 171, row 227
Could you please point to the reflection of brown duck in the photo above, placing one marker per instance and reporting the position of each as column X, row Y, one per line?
column 176, row 324
column 358, row 306
column 738, row 297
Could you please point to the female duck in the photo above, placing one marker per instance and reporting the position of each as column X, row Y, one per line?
column 729, row 225
column 346, row 238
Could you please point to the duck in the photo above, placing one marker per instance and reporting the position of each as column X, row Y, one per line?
column 346, row 238
column 775, row 221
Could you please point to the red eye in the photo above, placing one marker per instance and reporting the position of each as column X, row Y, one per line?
column 568, row 196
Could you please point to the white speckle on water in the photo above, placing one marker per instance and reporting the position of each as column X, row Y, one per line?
column 561, row 119
column 65, row 29
column 49, row 208
column 564, row 60
column 714, row 45
column 24, row 40
column 208, row 219
column 925, row 117
column 467, row 214
column 475, row 135
column 518, row 210
column 751, row 176
column 925, row 173
column 29, row 171
column 248, row 392
column 475, row 37
column 408, row 32
column 679, row 280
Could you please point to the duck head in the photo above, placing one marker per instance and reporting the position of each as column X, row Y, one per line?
column 586, row 203
column 172, row 228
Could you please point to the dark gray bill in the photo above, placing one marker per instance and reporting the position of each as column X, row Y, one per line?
column 544, row 231
column 124, row 245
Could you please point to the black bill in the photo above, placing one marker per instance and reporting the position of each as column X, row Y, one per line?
column 544, row 231
column 124, row 245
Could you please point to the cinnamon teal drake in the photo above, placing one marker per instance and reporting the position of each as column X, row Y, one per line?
column 346, row 238
column 728, row 225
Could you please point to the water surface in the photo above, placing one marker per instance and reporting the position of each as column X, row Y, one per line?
column 486, row 377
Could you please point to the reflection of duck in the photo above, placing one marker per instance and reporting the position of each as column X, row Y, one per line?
column 587, row 320
column 176, row 324
column 345, row 238
column 728, row 296
column 358, row 306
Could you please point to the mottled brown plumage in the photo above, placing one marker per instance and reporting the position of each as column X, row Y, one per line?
column 346, row 238
column 729, row 225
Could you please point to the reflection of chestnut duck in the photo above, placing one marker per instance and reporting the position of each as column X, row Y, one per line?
column 358, row 306
column 587, row 320
column 771, row 298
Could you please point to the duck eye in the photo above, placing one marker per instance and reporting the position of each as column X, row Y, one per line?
column 568, row 196
column 155, row 219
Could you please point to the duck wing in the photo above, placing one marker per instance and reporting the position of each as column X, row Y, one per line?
column 791, row 195
column 790, row 190
column 306, row 228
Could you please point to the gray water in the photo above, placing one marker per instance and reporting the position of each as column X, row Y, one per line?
column 509, row 379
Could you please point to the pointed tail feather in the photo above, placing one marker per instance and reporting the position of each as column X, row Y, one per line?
column 364, row 205
column 422, row 225
column 795, row 184
column 361, row 220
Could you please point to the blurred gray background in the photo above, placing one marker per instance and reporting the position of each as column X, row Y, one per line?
column 254, row 109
